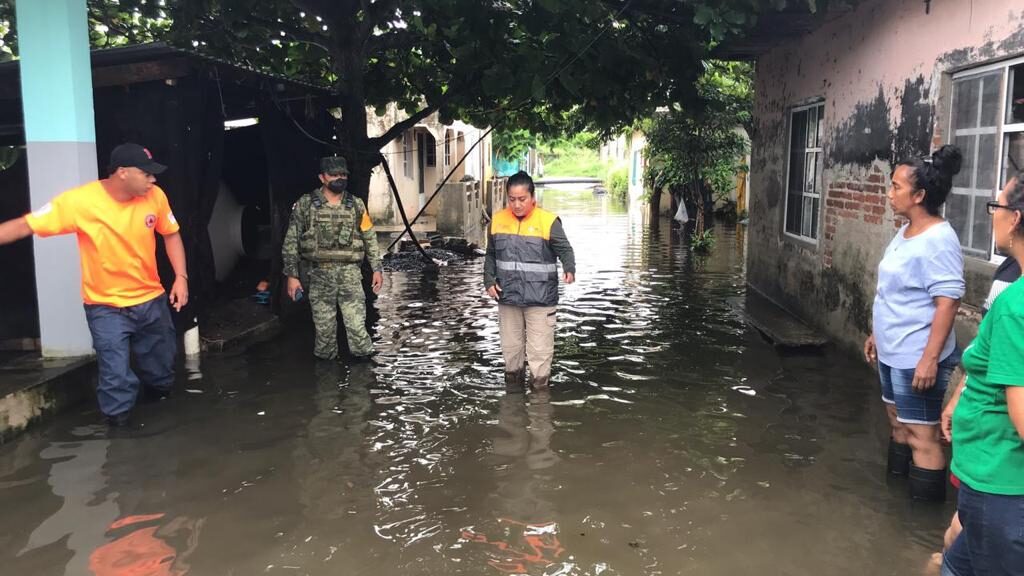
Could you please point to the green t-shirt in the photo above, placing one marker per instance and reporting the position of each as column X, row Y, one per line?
column 988, row 454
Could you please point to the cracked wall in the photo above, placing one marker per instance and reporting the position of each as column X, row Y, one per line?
column 882, row 73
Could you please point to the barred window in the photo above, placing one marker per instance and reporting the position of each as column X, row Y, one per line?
column 803, row 189
column 987, row 123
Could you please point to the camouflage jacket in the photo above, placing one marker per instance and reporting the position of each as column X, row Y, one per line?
column 321, row 233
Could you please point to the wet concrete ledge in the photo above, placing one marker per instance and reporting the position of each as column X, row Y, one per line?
column 778, row 325
column 34, row 388
column 238, row 324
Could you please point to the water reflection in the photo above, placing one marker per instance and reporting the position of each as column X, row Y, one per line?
column 674, row 440
column 523, row 538
column 77, row 477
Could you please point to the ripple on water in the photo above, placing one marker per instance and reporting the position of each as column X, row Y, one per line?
column 671, row 433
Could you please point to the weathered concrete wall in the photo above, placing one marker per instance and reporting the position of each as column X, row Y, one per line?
column 637, row 148
column 882, row 73
column 461, row 211
column 382, row 206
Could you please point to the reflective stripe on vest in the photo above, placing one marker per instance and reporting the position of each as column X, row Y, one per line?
column 527, row 269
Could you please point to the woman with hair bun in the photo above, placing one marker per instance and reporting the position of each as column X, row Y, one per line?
column 988, row 421
column 920, row 283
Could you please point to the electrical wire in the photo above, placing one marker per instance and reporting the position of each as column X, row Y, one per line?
column 409, row 224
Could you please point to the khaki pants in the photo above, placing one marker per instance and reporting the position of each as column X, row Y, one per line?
column 528, row 331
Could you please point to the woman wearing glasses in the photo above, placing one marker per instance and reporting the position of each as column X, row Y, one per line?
column 988, row 421
column 920, row 283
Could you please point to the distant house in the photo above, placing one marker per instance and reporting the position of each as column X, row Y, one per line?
column 241, row 147
column 840, row 98
column 420, row 158
column 628, row 151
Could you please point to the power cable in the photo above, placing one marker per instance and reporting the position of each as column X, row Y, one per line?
column 408, row 227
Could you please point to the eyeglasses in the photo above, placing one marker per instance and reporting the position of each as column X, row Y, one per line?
column 993, row 206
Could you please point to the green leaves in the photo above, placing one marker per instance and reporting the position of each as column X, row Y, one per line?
column 701, row 142
column 703, row 16
column 543, row 66
column 537, row 89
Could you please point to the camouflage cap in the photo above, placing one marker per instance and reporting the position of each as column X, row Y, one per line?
column 333, row 165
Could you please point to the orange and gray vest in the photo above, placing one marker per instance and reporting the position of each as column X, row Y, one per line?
column 526, row 267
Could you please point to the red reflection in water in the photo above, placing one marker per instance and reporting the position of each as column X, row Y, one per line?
column 140, row 553
column 541, row 547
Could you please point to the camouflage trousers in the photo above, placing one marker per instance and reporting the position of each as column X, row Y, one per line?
column 334, row 286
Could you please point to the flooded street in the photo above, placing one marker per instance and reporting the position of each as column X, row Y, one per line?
column 674, row 441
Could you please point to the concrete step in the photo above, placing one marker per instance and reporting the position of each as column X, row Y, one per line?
column 33, row 388
column 778, row 325
column 238, row 324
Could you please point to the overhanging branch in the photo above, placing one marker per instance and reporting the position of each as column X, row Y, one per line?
column 402, row 126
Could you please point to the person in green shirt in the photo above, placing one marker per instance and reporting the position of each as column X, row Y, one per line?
column 988, row 421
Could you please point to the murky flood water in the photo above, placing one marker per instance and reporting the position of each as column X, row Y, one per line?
column 674, row 441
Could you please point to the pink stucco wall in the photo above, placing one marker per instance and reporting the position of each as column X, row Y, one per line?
column 886, row 42
column 882, row 72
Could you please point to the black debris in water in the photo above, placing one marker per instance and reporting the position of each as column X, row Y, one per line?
column 413, row 260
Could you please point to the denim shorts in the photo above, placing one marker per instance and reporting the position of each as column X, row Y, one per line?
column 913, row 407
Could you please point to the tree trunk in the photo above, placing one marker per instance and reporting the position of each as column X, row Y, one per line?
column 655, row 206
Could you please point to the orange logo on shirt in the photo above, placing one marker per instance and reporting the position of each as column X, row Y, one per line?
column 150, row 220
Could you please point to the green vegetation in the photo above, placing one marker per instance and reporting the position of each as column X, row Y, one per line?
column 605, row 63
column 617, row 182
column 695, row 152
column 703, row 242
column 511, row 144
column 566, row 159
column 576, row 155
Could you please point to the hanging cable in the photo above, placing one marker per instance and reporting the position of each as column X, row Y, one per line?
column 401, row 210
column 439, row 187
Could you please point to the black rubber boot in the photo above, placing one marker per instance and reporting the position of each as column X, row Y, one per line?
column 900, row 457
column 515, row 381
column 927, row 485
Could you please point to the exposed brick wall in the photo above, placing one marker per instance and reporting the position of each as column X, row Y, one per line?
column 853, row 201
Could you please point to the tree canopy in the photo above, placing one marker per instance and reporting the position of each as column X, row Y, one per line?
column 521, row 64
column 697, row 151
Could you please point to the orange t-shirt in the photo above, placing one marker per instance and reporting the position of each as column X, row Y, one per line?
column 116, row 240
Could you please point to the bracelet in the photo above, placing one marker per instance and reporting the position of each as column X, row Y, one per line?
column 185, row 276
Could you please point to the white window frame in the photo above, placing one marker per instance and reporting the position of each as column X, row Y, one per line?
column 448, row 147
column 1001, row 131
column 789, row 165
column 407, row 154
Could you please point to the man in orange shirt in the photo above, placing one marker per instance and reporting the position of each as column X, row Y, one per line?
column 115, row 220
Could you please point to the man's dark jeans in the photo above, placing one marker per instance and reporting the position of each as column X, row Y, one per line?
column 144, row 332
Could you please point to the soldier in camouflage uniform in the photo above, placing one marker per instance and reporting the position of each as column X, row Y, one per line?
column 328, row 235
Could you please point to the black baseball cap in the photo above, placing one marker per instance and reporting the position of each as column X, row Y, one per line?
column 130, row 155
